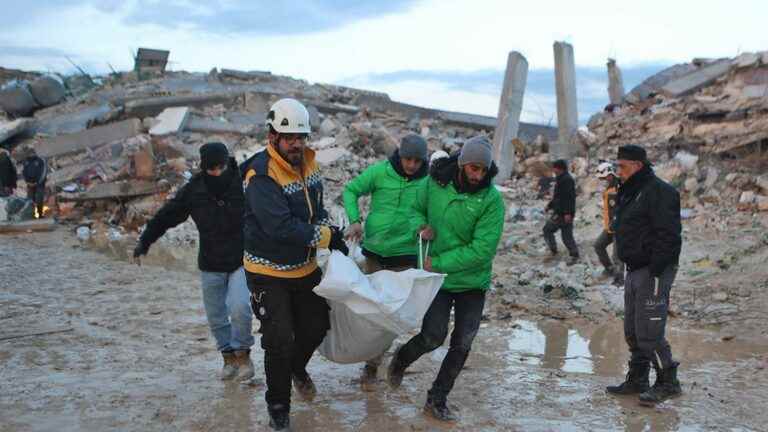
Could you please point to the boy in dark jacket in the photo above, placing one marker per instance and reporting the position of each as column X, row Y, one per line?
column 214, row 198
column 563, row 208
column 648, row 236
column 8, row 174
column 35, row 173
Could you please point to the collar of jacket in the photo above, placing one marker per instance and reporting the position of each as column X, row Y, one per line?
column 446, row 170
column 308, row 167
column 397, row 165
column 636, row 182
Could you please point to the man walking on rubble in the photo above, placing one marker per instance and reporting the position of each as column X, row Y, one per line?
column 463, row 214
column 389, row 243
column 35, row 173
column 8, row 175
column 648, row 236
column 563, row 208
column 285, row 224
column 615, row 269
column 215, row 200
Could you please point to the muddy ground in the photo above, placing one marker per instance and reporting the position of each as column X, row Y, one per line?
column 129, row 349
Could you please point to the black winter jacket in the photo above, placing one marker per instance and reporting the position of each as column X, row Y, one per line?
column 35, row 170
column 8, row 174
column 647, row 223
column 564, row 198
column 219, row 221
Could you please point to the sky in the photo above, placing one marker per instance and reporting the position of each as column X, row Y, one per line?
column 447, row 54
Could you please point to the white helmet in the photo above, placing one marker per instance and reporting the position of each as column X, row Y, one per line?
column 289, row 116
column 439, row 154
column 605, row 169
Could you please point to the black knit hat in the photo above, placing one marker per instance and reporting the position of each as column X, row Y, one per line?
column 560, row 164
column 213, row 154
column 413, row 146
column 633, row 153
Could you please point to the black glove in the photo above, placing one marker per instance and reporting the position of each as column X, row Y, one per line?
column 141, row 249
column 337, row 241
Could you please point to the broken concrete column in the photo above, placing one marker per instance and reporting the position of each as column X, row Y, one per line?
column 508, row 120
column 567, row 113
column 615, row 83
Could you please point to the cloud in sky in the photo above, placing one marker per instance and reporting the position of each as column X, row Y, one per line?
column 347, row 40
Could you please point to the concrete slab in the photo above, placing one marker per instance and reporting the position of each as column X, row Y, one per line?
column 170, row 121
column 155, row 105
column 696, row 80
column 9, row 130
column 115, row 190
column 213, row 126
column 90, row 138
column 331, row 155
column 510, row 106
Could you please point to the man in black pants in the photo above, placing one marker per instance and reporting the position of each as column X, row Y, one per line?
column 648, row 237
column 458, row 208
column 285, row 224
column 35, row 173
column 563, row 208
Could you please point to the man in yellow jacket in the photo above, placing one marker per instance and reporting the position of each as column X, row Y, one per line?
column 615, row 268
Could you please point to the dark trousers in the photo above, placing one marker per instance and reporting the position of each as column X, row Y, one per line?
column 566, row 233
column 294, row 321
column 601, row 249
column 36, row 193
column 468, row 310
column 646, row 304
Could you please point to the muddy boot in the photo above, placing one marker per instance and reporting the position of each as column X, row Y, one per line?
column 396, row 370
column 230, row 365
column 550, row 257
column 665, row 387
column 636, row 381
column 573, row 260
column 437, row 408
column 279, row 417
column 305, row 386
column 245, row 369
column 368, row 378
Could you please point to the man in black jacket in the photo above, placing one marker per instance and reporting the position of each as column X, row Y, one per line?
column 35, row 173
column 215, row 200
column 8, row 174
column 563, row 208
column 648, row 237
column 285, row 223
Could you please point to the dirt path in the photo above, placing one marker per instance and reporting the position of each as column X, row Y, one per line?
column 134, row 353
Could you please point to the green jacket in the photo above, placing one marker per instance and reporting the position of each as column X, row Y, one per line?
column 467, row 227
column 388, row 225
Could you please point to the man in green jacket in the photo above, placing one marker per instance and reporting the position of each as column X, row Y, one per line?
column 462, row 213
column 388, row 243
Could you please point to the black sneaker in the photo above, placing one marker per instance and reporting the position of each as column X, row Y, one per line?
column 665, row 387
column 437, row 408
column 305, row 386
column 279, row 417
column 636, row 381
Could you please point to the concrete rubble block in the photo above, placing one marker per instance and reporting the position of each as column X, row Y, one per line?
column 245, row 75
column 16, row 100
column 697, row 79
column 153, row 106
column 144, row 162
column 762, row 202
column 89, row 138
column 36, row 225
column 747, row 197
column 615, row 83
column 170, row 121
column 323, row 143
column 47, row 90
column 331, row 155
column 212, row 126
column 328, row 127
column 747, row 60
column 508, row 119
column 10, row 129
column 115, row 190
column 567, row 112
column 755, row 91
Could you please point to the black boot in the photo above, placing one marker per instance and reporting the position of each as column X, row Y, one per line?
column 437, row 408
column 665, row 387
column 396, row 370
column 636, row 381
column 279, row 417
column 303, row 384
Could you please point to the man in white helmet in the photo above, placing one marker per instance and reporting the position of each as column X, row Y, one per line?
column 285, row 224
column 615, row 269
